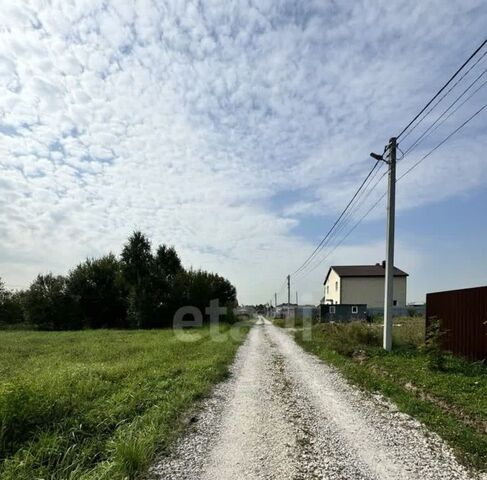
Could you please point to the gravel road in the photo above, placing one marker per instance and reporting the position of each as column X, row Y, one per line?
column 283, row 414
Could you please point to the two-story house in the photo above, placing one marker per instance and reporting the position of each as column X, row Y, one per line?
column 363, row 284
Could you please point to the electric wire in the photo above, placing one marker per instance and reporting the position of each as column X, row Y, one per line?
column 310, row 257
column 349, row 217
column 444, row 95
column 443, row 141
column 374, row 205
column 355, row 203
column 437, row 94
column 435, row 125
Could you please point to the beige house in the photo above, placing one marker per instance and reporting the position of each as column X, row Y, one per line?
column 363, row 284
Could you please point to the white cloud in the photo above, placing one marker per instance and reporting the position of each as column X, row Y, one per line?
column 185, row 120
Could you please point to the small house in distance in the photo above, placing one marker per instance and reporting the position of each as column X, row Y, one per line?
column 342, row 313
column 363, row 285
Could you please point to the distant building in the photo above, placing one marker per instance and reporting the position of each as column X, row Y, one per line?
column 342, row 312
column 363, row 285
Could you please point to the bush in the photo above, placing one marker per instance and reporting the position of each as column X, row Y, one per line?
column 11, row 312
column 432, row 347
column 347, row 338
column 49, row 305
column 99, row 290
column 141, row 290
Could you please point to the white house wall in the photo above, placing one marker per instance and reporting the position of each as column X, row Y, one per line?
column 370, row 290
column 334, row 295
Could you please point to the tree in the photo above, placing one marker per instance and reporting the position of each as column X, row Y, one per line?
column 199, row 287
column 98, row 287
column 167, row 266
column 10, row 306
column 49, row 305
column 137, row 267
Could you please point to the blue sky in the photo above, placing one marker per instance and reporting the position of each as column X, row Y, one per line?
column 237, row 131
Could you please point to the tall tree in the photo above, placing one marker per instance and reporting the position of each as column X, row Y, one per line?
column 137, row 267
column 49, row 305
column 98, row 287
column 167, row 266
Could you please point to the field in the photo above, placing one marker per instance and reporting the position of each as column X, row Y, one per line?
column 451, row 401
column 99, row 404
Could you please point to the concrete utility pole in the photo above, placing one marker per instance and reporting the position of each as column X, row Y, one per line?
column 297, row 297
column 389, row 277
column 275, row 299
column 288, row 290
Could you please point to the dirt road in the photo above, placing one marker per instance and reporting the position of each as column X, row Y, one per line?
column 283, row 414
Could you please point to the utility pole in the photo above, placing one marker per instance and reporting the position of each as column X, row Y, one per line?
column 296, row 297
column 389, row 277
column 288, row 290
column 275, row 300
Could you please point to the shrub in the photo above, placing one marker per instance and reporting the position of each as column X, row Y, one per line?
column 432, row 347
column 49, row 306
column 347, row 338
column 98, row 287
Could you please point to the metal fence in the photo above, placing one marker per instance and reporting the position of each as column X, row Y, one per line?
column 463, row 318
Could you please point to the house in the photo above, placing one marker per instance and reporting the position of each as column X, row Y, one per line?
column 363, row 284
column 342, row 312
column 285, row 310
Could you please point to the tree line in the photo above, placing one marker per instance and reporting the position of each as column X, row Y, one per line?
column 141, row 289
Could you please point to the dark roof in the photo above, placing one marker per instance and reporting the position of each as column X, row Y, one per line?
column 363, row 271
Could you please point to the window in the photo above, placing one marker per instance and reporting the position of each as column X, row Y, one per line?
column 354, row 309
column 332, row 309
column 336, row 286
column 328, row 289
column 394, row 302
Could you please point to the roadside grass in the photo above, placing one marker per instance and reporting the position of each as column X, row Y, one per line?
column 100, row 404
column 452, row 402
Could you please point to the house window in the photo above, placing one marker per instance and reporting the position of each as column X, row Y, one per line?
column 328, row 289
column 394, row 302
column 332, row 309
column 336, row 286
column 354, row 309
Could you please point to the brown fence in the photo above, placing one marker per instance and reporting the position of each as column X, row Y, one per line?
column 463, row 319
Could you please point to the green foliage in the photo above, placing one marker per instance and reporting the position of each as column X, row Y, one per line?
column 432, row 347
column 141, row 290
column 98, row 287
column 49, row 305
column 98, row 404
column 348, row 338
column 198, row 288
column 451, row 401
column 137, row 267
column 10, row 306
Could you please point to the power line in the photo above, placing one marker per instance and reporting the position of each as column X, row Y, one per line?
column 442, row 88
column 354, row 203
column 435, row 124
column 336, row 221
column 443, row 141
column 444, row 95
column 347, row 219
column 401, row 177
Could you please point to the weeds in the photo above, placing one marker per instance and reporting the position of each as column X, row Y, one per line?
column 348, row 338
column 447, row 394
column 98, row 404
column 432, row 347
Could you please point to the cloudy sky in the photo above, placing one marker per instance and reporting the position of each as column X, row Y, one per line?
column 237, row 131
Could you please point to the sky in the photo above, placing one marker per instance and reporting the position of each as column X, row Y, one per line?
column 237, row 131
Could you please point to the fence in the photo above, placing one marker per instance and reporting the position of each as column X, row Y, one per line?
column 463, row 319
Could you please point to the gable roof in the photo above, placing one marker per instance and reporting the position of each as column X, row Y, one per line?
column 363, row 271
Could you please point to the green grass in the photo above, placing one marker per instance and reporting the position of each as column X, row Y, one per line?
column 99, row 404
column 452, row 402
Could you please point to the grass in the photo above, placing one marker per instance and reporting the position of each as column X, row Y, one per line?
column 99, row 404
column 451, row 402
